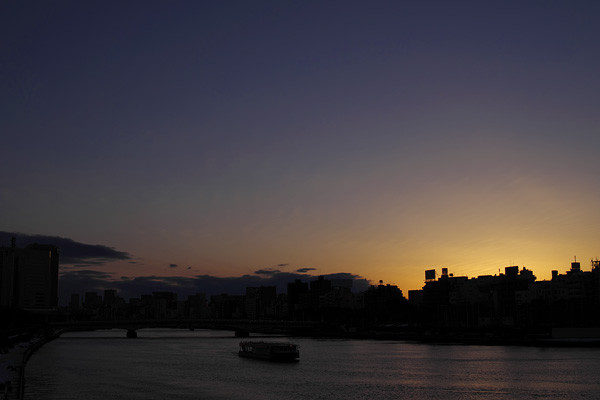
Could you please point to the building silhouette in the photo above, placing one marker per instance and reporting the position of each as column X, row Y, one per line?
column 29, row 276
column 511, row 303
column 261, row 302
column 513, row 300
column 298, row 299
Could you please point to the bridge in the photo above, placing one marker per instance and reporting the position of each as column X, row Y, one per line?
column 241, row 327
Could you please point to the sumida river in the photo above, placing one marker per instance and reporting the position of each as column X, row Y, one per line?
column 202, row 364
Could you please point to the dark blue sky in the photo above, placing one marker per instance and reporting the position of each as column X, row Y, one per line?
column 374, row 138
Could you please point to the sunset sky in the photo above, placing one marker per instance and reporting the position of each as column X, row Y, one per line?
column 251, row 138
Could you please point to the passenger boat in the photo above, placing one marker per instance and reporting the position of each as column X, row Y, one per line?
column 269, row 350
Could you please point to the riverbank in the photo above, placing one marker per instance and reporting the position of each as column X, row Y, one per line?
column 11, row 364
column 13, row 360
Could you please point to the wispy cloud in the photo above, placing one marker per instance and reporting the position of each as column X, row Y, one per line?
column 304, row 270
column 267, row 271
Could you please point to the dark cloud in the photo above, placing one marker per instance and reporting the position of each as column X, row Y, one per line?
column 90, row 274
column 282, row 265
column 86, row 281
column 304, row 270
column 267, row 271
column 80, row 255
column 73, row 279
column 82, row 281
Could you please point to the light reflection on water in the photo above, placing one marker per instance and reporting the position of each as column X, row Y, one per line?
column 182, row 364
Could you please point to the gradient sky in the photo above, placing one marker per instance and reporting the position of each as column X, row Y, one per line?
column 376, row 138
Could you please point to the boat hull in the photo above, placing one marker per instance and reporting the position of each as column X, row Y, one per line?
column 272, row 357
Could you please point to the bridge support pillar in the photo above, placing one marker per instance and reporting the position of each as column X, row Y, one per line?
column 132, row 334
column 242, row 333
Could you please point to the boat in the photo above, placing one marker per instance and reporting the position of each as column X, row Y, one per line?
column 275, row 351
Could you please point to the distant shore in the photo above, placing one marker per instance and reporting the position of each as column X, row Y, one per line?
column 464, row 339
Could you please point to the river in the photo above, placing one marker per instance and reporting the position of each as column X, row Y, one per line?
column 203, row 364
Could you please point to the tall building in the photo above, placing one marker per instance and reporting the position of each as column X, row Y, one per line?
column 319, row 288
column 261, row 302
column 110, row 296
column 29, row 276
column 297, row 291
column 198, row 306
column 8, row 278
column 75, row 303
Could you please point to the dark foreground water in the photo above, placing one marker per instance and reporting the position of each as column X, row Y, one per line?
column 180, row 364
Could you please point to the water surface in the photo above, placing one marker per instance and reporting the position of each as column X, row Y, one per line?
column 203, row 364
